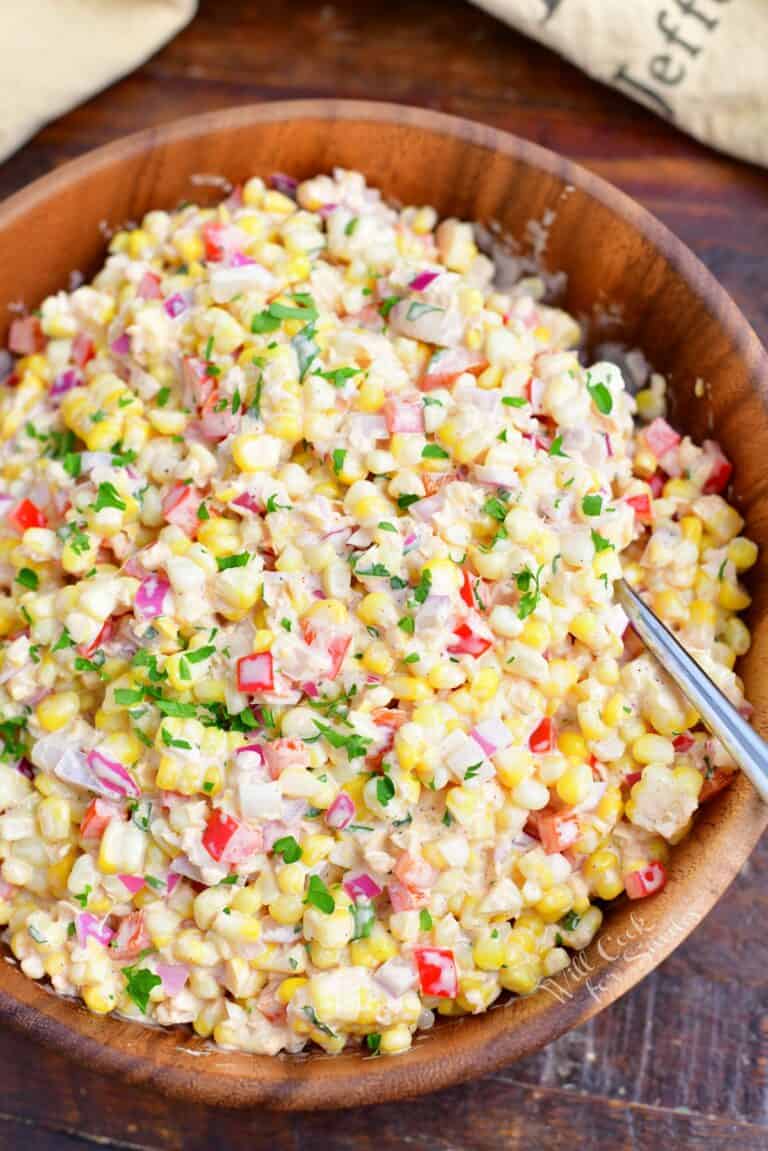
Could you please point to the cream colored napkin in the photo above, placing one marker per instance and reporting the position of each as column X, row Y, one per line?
column 57, row 53
column 701, row 63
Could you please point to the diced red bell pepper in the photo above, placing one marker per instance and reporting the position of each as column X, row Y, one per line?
column 213, row 239
column 338, row 646
column 180, row 507
column 445, row 367
column 718, row 780
column 647, row 881
column 437, row 971
column 720, row 471
column 26, row 336
column 391, row 717
column 149, row 287
column 660, row 437
column 468, row 642
column 131, row 938
column 683, row 742
column 283, row 753
column 466, row 589
column 641, row 506
column 198, row 385
column 227, row 840
column 405, row 898
column 97, row 815
column 631, row 778
column 557, row 829
column 255, row 673
column 473, row 591
column 434, row 481
column 542, row 738
column 414, row 872
column 83, row 349
column 27, row 515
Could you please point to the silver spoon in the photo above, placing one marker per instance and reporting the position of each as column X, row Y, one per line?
column 717, row 712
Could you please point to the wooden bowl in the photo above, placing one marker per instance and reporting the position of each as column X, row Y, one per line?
column 619, row 261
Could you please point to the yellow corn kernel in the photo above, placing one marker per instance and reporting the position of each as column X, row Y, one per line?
column 742, row 553
column 377, row 659
column 689, row 779
column 651, row 748
column 485, row 684
column 670, row 606
column 584, row 628
column 395, row 1040
column 370, row 396
column 488, row 953
column 54, row 814
column 573, row 745
column 98, row 1001
column 736, row 635
column 613, row 712
column 220, row 536
column 57, row 710
column 536, row 634
column 286, row 909
column 555, row 902
column 291, row 878
column 317, row 847
column 611, row 805
column 490, row 378
column 645, row 463
column 412, row 689
column 702, row 613
column 521, row 975
column 691, row 528
column 732, row 597
column 289, row 987
column 58, row 874
column 574, row 784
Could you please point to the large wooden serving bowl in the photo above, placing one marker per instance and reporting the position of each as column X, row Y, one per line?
column 619, row 261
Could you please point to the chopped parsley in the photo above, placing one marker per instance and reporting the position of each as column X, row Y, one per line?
column 139, row 982
column 592, row 505
column 319, row 896
column 107, row 497
column 223, row 563
column 601, row 397
column 288, row 848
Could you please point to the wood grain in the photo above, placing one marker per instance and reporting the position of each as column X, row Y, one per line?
column 683, row 1057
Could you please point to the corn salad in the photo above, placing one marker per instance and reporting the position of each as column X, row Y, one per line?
column 319, row 716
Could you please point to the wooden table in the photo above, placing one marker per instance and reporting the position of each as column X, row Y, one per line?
column 683, row 1059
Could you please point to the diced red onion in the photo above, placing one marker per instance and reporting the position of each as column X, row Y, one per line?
column 122, row 345
column 397, row 976
column 245, row 276
column 361, row 886
column 6, row 365
column 427, row 509
column 326, row 210
column 254, row 748
column 341, row 812
column 151, row 596
column 310, row 689
column 496, row 476
column 492, row 735
column 65, row 382
column 132, row 883
column 112, row 775
column 183, row 865
column 25, row 768
column 175, row 305
column 285, row 184
column 174, row 976
column 249, row 503
column 171, row 881
column 91, row 460
column 87, row 925
column 423, row 280
column 240, row 260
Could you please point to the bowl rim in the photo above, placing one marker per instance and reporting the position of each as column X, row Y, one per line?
column 383, row 1080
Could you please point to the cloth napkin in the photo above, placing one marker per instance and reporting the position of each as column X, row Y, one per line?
column 699, row 63
column 57, row 53
column 703, row 64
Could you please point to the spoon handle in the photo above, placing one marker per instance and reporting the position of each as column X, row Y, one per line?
column 746, row 747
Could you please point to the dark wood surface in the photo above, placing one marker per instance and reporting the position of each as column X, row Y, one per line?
column 683, row 1059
